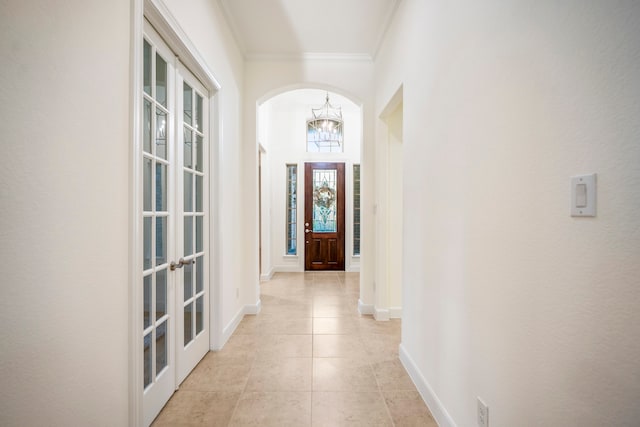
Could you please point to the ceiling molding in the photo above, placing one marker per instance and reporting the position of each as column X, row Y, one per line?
column 308, row 56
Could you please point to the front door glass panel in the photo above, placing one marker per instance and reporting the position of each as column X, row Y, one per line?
column 324, row 200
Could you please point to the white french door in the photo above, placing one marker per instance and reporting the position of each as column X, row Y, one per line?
column 174, row 201
column 192, row 297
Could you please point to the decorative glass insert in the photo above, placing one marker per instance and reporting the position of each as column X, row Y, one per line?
column 292, row 209
column 325, row 200
column 356, row 209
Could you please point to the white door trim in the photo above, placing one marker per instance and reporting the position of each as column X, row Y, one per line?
column 168, row 27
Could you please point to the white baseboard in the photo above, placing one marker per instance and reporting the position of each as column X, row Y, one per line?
column 430, row 398
column 253, row 308
column 231, row 327
column 395, row 312
column 381, row 314
column 354, row 269
column 364, row 308
column 288, row 269
column 268, row 276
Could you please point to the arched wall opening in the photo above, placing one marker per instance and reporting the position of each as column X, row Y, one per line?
column 281, row 132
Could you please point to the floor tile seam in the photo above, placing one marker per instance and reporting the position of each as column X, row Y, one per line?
column 384, row 402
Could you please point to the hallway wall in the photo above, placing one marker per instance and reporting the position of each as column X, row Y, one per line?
column 65, row 202
column 506, row 296
column 205, row 25
column 64, row 212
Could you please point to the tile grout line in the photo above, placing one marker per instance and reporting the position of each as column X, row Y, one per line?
column 244, row 389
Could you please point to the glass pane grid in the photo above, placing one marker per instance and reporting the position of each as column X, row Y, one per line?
column 155, row 158
column 192, row 129
column 291, row 230
column 356, row 209
column 325, row 200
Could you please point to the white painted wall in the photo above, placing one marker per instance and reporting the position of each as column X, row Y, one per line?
column 395, row 204
column 65, row 183
column 64, row 212
column 284, row 133
column 204, row 23
column 505, row 295
column 351, row 78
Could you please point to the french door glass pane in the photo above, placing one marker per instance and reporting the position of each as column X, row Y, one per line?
column 147, row 302
column 161, row 133
column 188, row 148
column 146, row 72
column 188, row 235
column 161, row 187
column 199, row 234
column 187, row 96
column 161, row 80
column 161, row 347
column 199, row 153
column 198, row 123
column 188, row 192
column 161, row 240
column 188, row 281
column 146, row 255
column 147, row 359
column 199, row 314
column 147, row 184
column 146, row 127
column 188, row 319
column 199, row 183
column 199, row 272
column 161, row 293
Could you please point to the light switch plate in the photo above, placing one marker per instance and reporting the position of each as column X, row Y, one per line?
column 583, row 195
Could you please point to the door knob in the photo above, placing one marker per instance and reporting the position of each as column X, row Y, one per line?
column 306, row 230
column 181, row 263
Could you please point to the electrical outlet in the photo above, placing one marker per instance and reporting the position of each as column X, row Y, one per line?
column 483, row 414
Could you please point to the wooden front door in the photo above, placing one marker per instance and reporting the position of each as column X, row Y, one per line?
column 324, row 216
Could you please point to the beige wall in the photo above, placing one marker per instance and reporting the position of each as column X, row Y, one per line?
column 65, row 186
column 64, row 212
column 204, row 24
column 506, row 296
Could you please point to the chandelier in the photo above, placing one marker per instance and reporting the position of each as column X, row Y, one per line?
column 324, row 128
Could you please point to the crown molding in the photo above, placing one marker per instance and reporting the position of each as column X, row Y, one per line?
column 308, row 56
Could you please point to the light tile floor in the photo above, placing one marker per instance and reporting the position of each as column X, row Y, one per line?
column 308, row 359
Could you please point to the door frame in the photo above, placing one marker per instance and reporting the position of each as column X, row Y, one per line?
column 340, row 215
column 173, row 35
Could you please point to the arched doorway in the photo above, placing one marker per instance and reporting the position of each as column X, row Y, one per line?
column 282, row 136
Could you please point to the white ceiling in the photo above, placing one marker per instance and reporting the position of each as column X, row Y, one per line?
column 294, row 28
